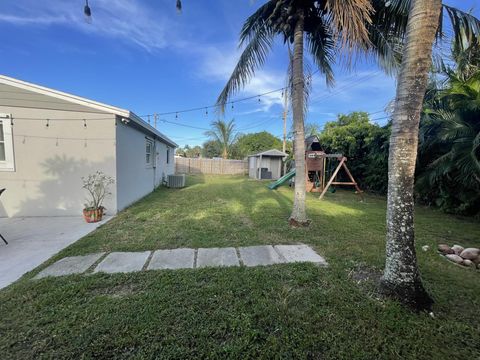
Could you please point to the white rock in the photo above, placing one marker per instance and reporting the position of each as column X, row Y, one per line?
column 445, row 249
column 425, row 247
column 455, row 258
column 457, row 249
column 470, row 253
column 467, row 262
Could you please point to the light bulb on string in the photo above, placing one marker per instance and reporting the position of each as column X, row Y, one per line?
column 48, row 123
column 84, row 123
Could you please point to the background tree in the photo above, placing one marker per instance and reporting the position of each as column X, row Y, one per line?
column 211, row 149
column 248, row 144
column 449, row 149
column 223, row 133
column 365, row 144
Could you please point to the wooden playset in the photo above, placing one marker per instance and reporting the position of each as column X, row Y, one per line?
column 321, row 166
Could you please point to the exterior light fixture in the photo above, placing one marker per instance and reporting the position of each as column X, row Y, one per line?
column 87, row 12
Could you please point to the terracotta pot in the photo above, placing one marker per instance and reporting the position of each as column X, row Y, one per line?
column 93, row 215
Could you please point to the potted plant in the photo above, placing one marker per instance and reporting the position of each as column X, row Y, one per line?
column 97, row 185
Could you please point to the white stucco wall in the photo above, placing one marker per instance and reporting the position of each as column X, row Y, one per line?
column 50, row 161
column 135, row 178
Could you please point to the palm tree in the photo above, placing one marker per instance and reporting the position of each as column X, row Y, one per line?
column 224, row 134
column 321, row 26
column 401, row 278
column 449, row 145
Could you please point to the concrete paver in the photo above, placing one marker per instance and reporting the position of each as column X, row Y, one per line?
column 300, row 253
column 123, row 262
column 172, row 259
column 217, row 257
column 260, row 255
column 70, row 265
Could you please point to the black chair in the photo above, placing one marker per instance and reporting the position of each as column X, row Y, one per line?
column 1, row 192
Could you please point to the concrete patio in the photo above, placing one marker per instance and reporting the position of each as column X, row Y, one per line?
column 33, row 240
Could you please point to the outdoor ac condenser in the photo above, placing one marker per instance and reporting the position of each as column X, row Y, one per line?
column 176, row 181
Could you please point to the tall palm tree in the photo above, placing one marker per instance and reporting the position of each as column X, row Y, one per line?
column 401, row 278
column 321, row 26
column 224, row 134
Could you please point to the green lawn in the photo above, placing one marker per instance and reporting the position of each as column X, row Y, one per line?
column 282, row 311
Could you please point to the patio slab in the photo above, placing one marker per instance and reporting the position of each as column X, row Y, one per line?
column 260, row 255
column 172, row 259
column 123, row 262
column 217, row 257
column 300, row 253
column 70, row 265
column 33, row 240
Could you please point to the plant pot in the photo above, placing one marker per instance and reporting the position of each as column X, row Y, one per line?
column 93, row 215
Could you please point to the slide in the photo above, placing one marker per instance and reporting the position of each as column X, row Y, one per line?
column 282, row 180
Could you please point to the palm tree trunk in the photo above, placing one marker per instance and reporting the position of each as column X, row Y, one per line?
column 299, row 215
column 401, row 278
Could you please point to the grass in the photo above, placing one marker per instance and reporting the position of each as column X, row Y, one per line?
column 282, row 311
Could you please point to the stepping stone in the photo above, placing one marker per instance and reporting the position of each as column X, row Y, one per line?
column 300, row 253
column 172, row 259
column 70, row 265
column 123, row 262
column 260, row 255
column 217, row 257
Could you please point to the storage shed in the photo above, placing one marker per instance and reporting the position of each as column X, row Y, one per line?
column 266, row 165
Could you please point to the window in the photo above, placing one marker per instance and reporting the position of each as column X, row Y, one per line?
column 6, row 144
column 149, row 152
column 168, row 155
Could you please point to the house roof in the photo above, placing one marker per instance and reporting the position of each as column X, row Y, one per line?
column 271, row 153
column 25, row 87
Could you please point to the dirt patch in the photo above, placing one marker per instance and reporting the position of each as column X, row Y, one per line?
column 367, row 279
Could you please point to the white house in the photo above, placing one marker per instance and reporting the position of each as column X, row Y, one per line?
column 49, row 140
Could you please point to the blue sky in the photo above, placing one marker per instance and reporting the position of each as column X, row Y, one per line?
column 143, row 56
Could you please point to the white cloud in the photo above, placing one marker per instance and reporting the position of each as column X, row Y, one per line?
column 217, row 63
column 126, row 20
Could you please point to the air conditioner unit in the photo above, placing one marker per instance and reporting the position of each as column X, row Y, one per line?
column 176, row 181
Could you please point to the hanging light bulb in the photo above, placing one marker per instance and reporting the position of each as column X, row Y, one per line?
column 259, row 99
column 87, row 12
column 179, row 6
column 48, row 123
column 176, row 115
column 206, row 111
column 84, row 123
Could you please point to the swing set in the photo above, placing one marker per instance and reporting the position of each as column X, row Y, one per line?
column 321, row 166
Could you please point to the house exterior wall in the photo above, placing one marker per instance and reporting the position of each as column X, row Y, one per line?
column 50, row 161
column 136, row 178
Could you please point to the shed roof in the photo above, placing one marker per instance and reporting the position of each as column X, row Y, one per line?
column 66, row 98
column 271, row 153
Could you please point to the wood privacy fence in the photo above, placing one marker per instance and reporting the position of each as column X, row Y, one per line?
column 210, row 166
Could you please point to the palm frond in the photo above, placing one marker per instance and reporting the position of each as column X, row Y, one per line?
column 321, row 45
column 466, row 27
column 350, row 19
column 252, row 57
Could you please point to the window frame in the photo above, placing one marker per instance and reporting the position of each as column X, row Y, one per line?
column 9, row 163
column 148, row 141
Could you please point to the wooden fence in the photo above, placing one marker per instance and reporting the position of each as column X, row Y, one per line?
column 210, row 166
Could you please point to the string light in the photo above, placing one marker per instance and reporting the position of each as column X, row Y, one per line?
column 48, row 123
column 84, row 123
